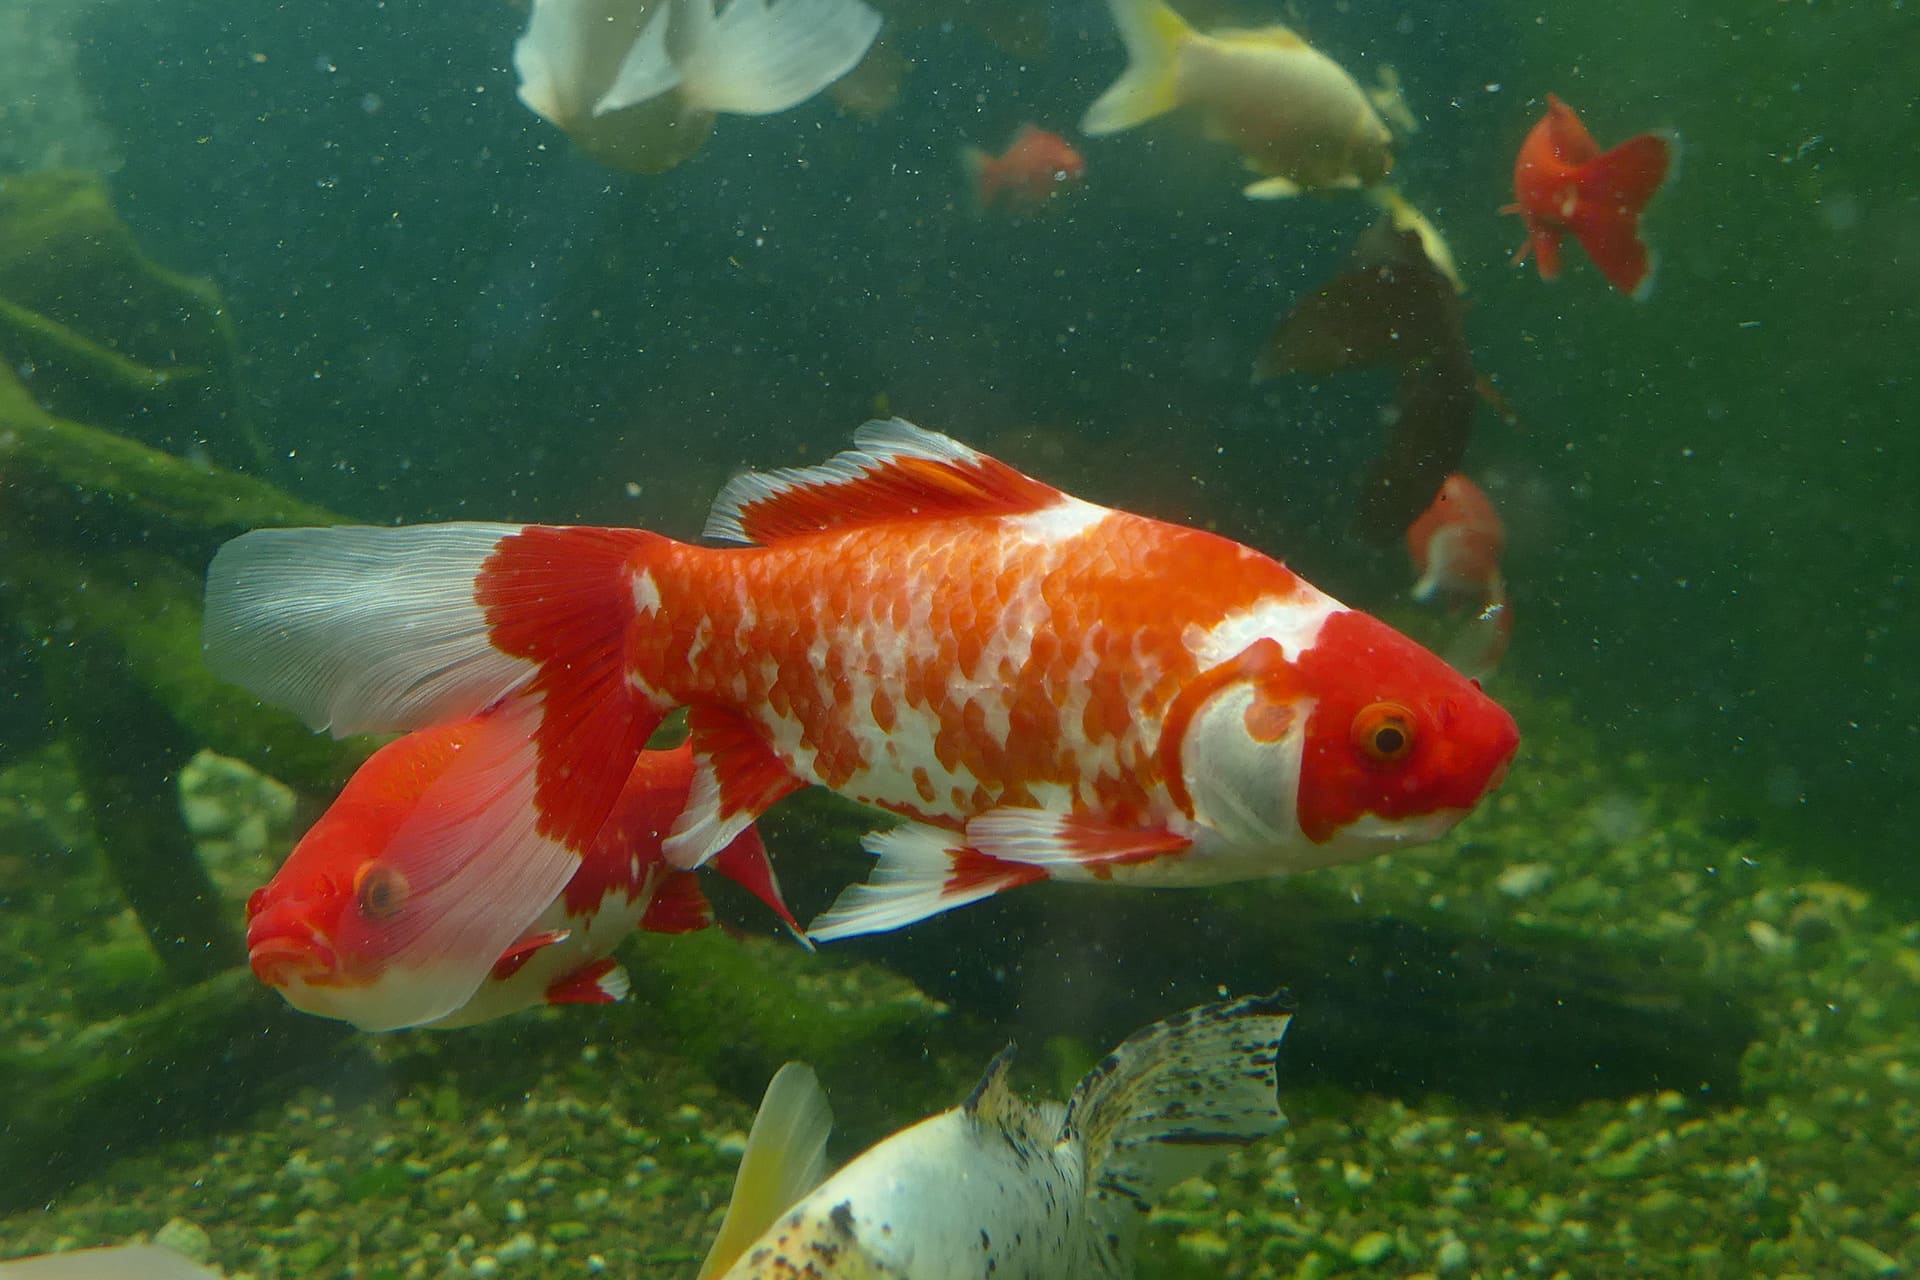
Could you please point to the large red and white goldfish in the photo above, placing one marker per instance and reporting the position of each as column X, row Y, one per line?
column 1564, row 184
column 1038, row 686
column 327, row 931
column 1456, row 547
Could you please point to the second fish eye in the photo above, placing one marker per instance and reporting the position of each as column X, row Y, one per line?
column 379, row 890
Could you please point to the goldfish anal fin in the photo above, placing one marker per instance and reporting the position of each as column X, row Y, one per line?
column 600, row 981
column 1065, row 844
column 746, row 863
column 516, row 956
column 785, row 1158
column 736, row 778
column 677, row 905
column 1163, row 1105
column 922, row 871
column 895, row 471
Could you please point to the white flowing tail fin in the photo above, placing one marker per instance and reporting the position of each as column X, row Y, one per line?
column 757, row 58
column 359, row 630
column 1163, row 1105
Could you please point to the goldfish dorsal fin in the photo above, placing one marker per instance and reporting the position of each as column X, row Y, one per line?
column 993, row 1101
column 895, row 471
column 786, row 1157
column 1162, row 1106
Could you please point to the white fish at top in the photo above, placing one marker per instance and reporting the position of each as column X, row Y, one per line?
column 638, row 83
column 997, row 1186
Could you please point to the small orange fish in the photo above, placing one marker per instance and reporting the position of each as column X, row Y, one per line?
column 330, row 930
column 1035, row 167
column 1456, row 546
column 1563, row 183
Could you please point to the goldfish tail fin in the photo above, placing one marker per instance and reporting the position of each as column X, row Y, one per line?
column 1614, row 188
column 1153, row 34
column 645, row 73
column 786, row 1157
column 757, row 58
column 1162, row 1106
column 978, row 166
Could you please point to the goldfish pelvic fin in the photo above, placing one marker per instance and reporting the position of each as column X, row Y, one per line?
column 646, row 72
column 359, row 630
column 1389, row 98
column 516, row 956
column 736, row 778
column 923, row 871
column 757, row 58
column 895, row 471
column 1271, row 189
column 677, row 905
column 1068, row 846
column 786, row 1157
column 1162, row 1106
column 1149, row 87
column 600, row 981
column 746, row 863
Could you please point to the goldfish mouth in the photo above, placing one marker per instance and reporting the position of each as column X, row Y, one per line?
column 282, row 949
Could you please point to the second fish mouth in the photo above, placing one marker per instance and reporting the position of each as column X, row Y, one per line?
column 283, row 951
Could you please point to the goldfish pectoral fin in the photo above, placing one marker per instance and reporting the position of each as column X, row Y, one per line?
column 1149, row 87
column 758, row 58
column 645, row 73
column 1066, row 844
column 747, row 863
column 785, row 1158
column 600, row 981
column 736, row 778
column 1271, row 189
column 677, row 905
column 1164, row 1104
column 922, row 871
column 1389, row 98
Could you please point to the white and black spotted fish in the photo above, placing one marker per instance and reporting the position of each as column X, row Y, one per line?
column 998, row 1187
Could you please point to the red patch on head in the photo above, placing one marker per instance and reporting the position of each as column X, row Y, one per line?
column 1458, row 741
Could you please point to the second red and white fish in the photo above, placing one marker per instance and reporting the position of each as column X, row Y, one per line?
column 1037, row 687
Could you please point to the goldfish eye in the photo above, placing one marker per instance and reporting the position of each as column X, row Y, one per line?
column 1383, row 732
column 379, row 890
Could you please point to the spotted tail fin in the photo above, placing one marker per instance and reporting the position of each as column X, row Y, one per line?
column 1164, row 1105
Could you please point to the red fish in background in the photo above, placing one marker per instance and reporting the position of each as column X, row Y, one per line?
column 1563, row 183
column 328, row 929
column 1456, row 546
column 1035, row 167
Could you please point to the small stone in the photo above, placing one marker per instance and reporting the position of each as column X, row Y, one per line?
column 185, row 1239
column 1524, row 879
column 1372, row 1248
column 1452, row 1256
column 1207, row 1246
column 1867, row 1258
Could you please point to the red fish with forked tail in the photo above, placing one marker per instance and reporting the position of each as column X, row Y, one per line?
column 1037, row 687
column 1563, row 184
